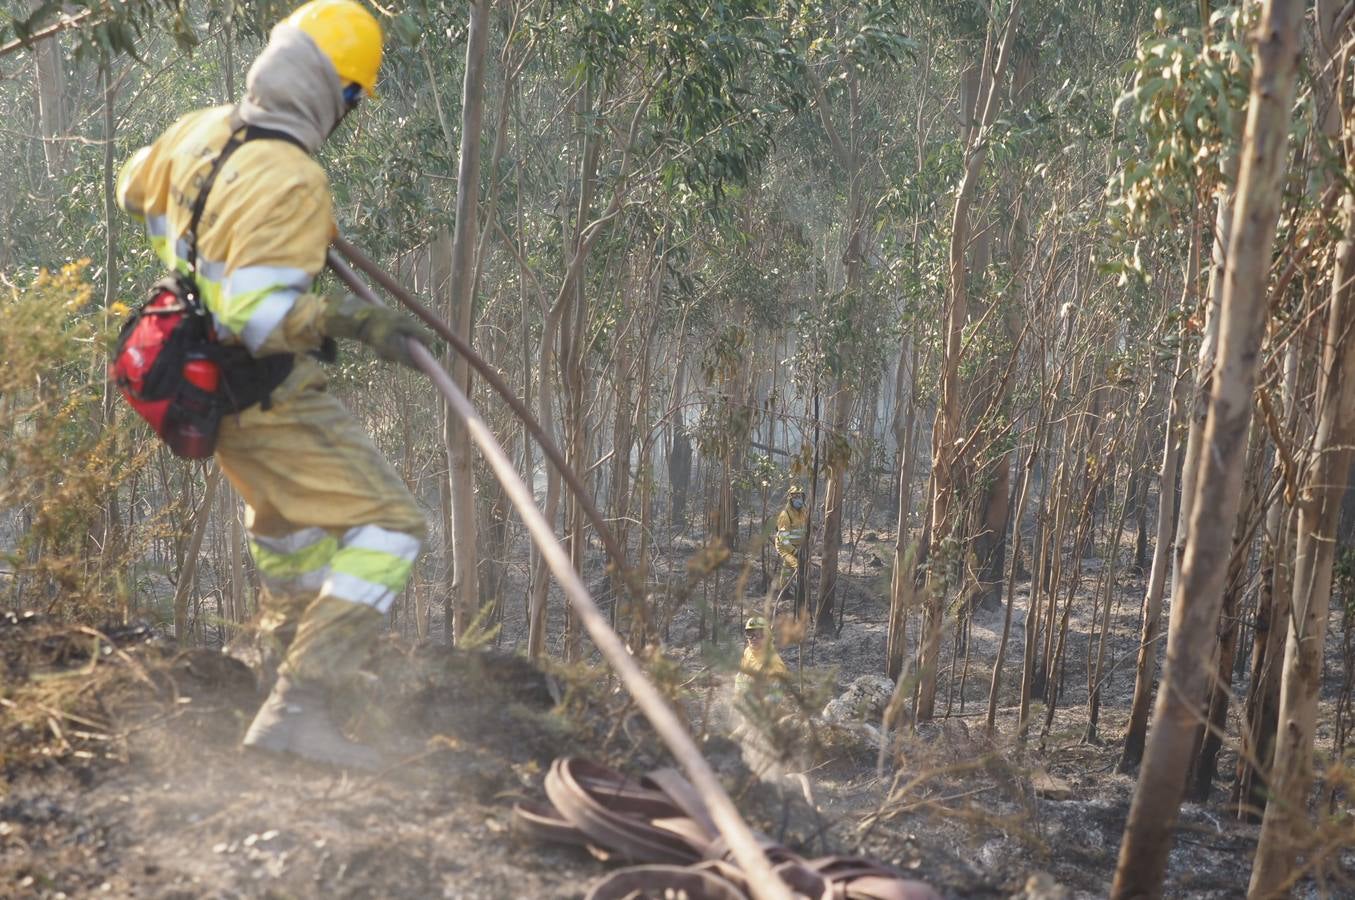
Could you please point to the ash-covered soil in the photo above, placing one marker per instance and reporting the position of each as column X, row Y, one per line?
column 123, row 776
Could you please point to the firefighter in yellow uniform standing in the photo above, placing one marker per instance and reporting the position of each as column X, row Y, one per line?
column 333, row 529
column 791, row 524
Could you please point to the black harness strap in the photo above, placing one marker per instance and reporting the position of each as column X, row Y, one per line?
column 259, row 133
column 239, row 134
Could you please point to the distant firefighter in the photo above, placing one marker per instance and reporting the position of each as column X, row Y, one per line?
column 791, row 527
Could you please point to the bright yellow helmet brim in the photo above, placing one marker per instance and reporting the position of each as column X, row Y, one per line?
column 347, row 34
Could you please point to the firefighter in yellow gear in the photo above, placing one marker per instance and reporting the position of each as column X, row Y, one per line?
column 791, row 524
column 760, row 658
column 760, row 682
column 333, row 529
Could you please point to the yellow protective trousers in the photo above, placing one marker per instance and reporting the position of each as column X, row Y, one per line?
column 333, row 529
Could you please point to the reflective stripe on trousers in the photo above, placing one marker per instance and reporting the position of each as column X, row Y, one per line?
column 367, row 564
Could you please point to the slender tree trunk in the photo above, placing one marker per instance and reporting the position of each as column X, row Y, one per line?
column 834, row 499
column 1096, row 671
column 854, row 238
column 239, row 590
column 1152, row 816
column 465, row 599
column 50, row 84
column 1271, row 626
column 188, row 572
column 901, row 590
column 1319, row 506
column 112, row 532
column 1145, row 670
column 995, row 685
column 545, row 411
column 228, row 52
column 1204, row 379
column 945, row 464
column 1210, row 732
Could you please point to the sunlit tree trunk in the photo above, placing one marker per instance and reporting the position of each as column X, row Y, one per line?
column 465, row 599
column 1319, row 506
column 1157, row 797
column 1145, row 670
column 945, row 431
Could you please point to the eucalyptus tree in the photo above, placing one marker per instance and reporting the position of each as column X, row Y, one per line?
column 843, row 49
column 1196, row 76
column 947, row 439
column 656, row 96
column 1143, row 853
column 1326, row 469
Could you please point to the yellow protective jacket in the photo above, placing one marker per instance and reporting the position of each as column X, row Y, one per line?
column 263, row 235
column 790, row 530
column 762, row 675
column 763, row 662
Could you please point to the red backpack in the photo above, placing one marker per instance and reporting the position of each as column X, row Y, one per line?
column 168, row 367
column 169, row 364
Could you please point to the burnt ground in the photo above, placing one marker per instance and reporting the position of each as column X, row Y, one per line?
column 123, row 777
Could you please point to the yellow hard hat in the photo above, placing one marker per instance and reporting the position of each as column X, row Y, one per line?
column 755, row 623
column 346, row 33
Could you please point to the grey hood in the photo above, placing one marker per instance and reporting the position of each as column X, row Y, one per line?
column 293, row 87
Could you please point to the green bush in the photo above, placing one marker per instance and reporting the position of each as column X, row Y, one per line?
column 65, row 450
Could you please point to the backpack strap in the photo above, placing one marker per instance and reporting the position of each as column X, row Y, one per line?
column 259, row 133
column 239, row 134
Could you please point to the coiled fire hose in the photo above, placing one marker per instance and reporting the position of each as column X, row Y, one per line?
column 763, row 882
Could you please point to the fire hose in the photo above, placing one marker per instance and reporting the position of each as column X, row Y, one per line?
column 355, row 256
column 747, row 852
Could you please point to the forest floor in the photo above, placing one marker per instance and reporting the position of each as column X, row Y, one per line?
column 123, row 776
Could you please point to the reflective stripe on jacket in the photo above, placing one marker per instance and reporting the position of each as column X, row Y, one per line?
column 790, row 527
column 263, row 235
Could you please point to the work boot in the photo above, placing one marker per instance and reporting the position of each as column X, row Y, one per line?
column 295, row 719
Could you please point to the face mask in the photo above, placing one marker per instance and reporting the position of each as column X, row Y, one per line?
column 797, row 503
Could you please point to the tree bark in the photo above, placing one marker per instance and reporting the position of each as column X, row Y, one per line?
column 1152, row 816
column 465, row 599
column 1271, row 625
column 902, row 584
column 995, row 684
column 945, row 431
column 834, row 498
column 1210, row 732
column 50, row 84
column 238, row 590
column 1319, row 506
column 188, row 571
column 1145, row 670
